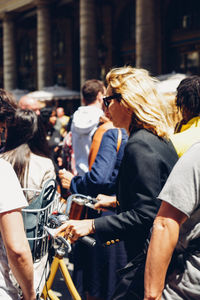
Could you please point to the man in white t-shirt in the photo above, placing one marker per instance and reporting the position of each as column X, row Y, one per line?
column 85, row 122
column 15, row 254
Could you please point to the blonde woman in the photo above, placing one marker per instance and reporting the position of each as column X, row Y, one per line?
column 149, row 157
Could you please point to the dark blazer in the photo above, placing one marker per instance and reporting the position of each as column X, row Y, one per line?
column 146, row 164
column 103, row 175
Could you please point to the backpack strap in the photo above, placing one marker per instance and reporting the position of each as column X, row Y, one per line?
column 96, row 141
column 119, row 139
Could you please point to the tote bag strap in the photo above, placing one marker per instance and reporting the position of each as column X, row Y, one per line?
column 119, row 139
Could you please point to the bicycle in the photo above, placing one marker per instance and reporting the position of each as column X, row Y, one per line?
column 51, row 218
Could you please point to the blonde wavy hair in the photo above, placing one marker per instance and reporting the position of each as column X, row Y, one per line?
column 140, row 97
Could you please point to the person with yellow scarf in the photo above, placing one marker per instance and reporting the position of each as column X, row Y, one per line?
column 188, row 101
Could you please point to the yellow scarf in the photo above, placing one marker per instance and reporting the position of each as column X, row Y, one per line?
column 194, row 122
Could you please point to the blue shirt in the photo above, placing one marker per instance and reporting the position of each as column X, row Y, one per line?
column 103, row 176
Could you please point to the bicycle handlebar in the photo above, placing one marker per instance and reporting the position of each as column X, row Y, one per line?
column 57, row 219
column 80, row 199
column 88, row 241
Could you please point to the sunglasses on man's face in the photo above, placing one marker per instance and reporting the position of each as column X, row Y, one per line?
column 107, row 100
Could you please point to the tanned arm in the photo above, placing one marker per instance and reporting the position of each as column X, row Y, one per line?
column 163, row 241
column 18, row 251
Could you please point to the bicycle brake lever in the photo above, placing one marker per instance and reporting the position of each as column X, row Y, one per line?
column 65, row 242
column 52, row 231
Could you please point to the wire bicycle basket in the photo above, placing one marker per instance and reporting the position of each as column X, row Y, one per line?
column 34, row 221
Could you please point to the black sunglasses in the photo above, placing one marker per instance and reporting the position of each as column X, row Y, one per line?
column 107, row 100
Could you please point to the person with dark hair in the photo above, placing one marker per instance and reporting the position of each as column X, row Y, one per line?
column 188, row 102
column 85, row 121
column 91, row 89
column 27, row 150
column 62, row 120
column 53, row 136
column 188, row 97
column 7, row 105
column 15, row 252
column 7, row 108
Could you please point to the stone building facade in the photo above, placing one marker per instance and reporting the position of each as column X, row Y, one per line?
column 65, row 42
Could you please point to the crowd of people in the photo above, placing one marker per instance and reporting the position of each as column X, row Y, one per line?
column 123, row 148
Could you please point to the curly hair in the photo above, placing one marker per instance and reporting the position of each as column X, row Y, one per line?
column 188, row 95
column 140, row 97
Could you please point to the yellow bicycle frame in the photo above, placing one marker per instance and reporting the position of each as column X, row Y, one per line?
column 58, row 262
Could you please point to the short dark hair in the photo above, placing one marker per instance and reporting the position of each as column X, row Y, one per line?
column 90, row 90
column 188, row 95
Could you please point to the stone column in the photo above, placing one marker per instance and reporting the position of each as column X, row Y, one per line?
column 44, row 53
column 69, row 54
column 107, row 19
column 9, row 53
column 88, row 46
column 146, row 52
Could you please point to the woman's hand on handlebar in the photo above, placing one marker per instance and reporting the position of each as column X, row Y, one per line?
column 105, row 202
column 74, row 229
column 65, row 177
